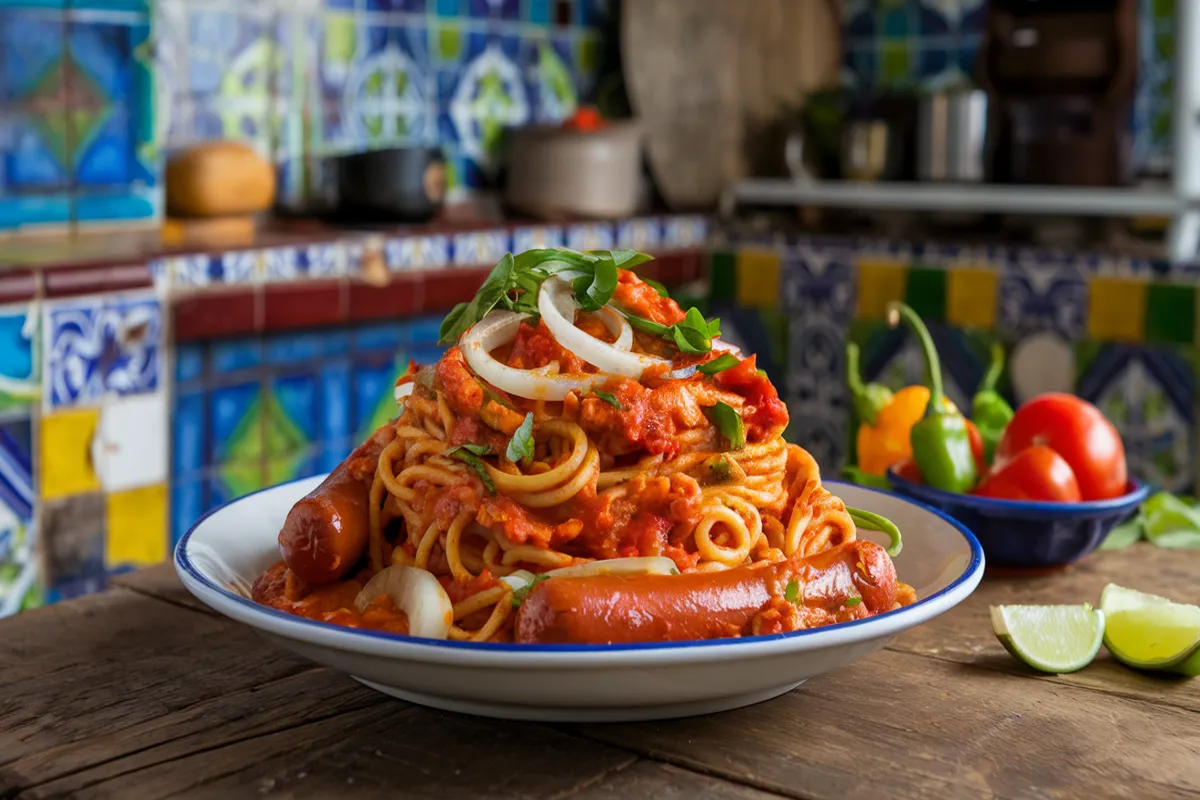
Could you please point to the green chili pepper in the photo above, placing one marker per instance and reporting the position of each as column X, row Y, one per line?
column 940, row 442
column 990, row 412
column 868, row 399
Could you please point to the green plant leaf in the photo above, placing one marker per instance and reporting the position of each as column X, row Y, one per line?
column 729, row 422
column 520, row 447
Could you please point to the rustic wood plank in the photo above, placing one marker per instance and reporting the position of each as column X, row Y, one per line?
column 925, row 728
column 964, row 634
column 651, row 779
column 160, row 582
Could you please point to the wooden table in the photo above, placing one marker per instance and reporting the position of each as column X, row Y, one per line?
column 141, row 692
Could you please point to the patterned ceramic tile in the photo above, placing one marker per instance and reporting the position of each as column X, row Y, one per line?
column 322, row 260
column 480, row 247
column 1149, row 394
column 1040, row 290
column 417, row 252
column 684, row 232
column 73, row 533
column 237, row 267
column 534, row 238
column 596, row 236
column 97, row 348
column 189, row 271
column 644, row 234
column 819, row 278
column 137, row 527
column 483, row 97
column 20, row 380
column 130, row 447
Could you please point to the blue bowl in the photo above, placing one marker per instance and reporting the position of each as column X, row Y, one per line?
column 1018, row 534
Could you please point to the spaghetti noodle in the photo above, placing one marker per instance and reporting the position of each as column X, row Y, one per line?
column 645, row 453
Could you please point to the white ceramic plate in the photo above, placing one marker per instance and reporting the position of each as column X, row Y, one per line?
column 219, row 558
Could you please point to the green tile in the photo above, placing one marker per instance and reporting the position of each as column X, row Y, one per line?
column 722, row 277
column 895, row 64
column 926, row 293
column 1170, row 313
column 587, row 53
column 449, row 42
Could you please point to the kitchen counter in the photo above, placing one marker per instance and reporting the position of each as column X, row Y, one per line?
column 140, row 691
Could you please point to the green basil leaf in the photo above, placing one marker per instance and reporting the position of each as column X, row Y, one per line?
column 593, row 292
column 476, row 449
column 519, row 595
column 626, row 259
column 719, row 364
column 609, row 398
column 450, row 329
column 466, row 454
column 647, row 326
column 656, row 286
column 689, row 341
column 853, row 601
column 499, row 282
column 792, row 592
column 728, row 421
column 551, row 260
column 520, row 447
column 714, row 327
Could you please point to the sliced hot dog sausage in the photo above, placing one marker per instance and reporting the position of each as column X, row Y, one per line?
column 657, row 608
column 326, row 533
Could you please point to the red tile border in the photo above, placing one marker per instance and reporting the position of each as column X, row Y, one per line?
column 445, row 288
column 73, row 281
column 210, row 315
column 311, row 304
column 18, row 286
column 400, row 297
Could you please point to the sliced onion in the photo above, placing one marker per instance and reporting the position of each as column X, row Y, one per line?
column 404, row 390
column 498, row 328
column 642, row 565
column 682, row 373
column 726, row 347
column 415, row 592
column 554, row 299
column 519, row 579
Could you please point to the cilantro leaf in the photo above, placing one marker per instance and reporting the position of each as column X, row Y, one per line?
column 519, row 595
column 520, row 447
column 719, row 364
column 792, row 592
column 609, row 398
column 728, row 421
column 470, row 454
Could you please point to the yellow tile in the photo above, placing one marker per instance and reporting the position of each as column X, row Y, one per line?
column 66, row 453
column 1117, row 310
column 758, row 278
column 880, row 282
column 137, row 526
column 971, row 297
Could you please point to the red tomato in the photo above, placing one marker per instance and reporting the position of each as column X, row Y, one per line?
column 586, row 119
column 1036, row 473
column 1077, row 431
column 909, row 470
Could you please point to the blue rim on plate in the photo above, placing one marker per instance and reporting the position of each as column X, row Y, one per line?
column 184, row 563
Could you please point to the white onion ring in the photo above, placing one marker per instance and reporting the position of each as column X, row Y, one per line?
column 498, row 328
column 553, row 300
column 726, row 347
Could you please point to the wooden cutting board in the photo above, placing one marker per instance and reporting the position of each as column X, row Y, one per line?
column 711, row 81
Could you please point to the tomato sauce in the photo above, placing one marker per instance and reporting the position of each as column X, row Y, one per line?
column 332, row 602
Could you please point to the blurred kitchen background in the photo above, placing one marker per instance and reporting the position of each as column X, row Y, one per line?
column 226, row 226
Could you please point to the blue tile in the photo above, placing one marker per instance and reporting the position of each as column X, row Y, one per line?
column 538, row 11
column 232, row 355
column 934, row 60
column 107, row 206
column 447, row 8
column 188, row 433
column 373, row 380
column 227, row 407
column 107, row 158
column 30, row 43
column 335, row 403
column 34, row 154
column 332, row 454
column 294, row 348
column 1039, row 291
column 16, row 346
column 933, row 21
column 424, row 330
column 16, row 468
column 96, row 350
column 385, row 337
column 299, row 397
column 494, row 9
column 187, row 505
column 819, row 279
column 105, row 53
column 34, row 210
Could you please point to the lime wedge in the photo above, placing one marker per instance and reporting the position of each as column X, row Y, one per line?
column 1054, row 639
column 1163, row 637
column 1117, row 598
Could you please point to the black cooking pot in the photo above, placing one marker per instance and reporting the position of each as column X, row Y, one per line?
column 403, row 184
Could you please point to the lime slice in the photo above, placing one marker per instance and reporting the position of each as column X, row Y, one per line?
column 1054, row 639
column 1117, row 598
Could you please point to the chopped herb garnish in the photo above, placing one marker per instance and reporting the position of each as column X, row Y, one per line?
column 729, row 422
column 675, row 571
column 519, row 595
column 470, row 454
column 720, row 469
column 792, row 592
column 492, row 394
column 693, row 335
column 609, row 398
column 719, row 364
column 762, row 373
column 514, row 284
column 520, row 447
column 853, row 601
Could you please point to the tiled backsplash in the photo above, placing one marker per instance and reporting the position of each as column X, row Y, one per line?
column 94, row 92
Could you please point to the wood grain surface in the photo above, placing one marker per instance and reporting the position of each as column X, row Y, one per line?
column 141, row 692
